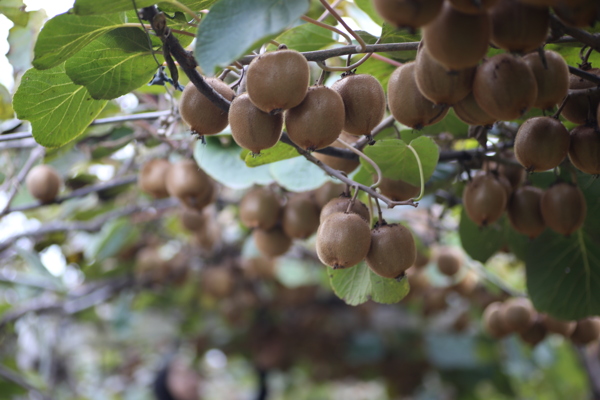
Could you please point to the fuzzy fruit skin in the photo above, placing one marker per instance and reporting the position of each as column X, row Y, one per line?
column 260, row 208
column 317, row 121
column 328, row 191
column 43, row 182
column 534, row 334
column 504, row 87
column 277, row 80
column 251, row 128
column 398, row 190
column 340, row 204
column 457, row 40
column 343, row 240
column 493, row 322
column 193, row 220
column 564, row 328
column 518, row 314
column 217, row 281
column 272, row 243
column 484, row 199
column 524, row 211
column 439, row 85
column 586, row 331
column 392, row 250
column 449, row 260
column 578, row 108
column 469, row 7
column 407, row 13
column 152, row 178
column 578, row 14
column 552, row 82
column 300, row 216
column 364, row 102
column 468, row 111
column 541, row 143
column 518, row 27
column 584, row 149
column 150, row 267
column 199, row 112
column 341, row 164
column 563, row 208
column 186, row 181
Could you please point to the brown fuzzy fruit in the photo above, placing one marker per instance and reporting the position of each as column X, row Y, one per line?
column 518, row 314
column 408, row 13
column 364, row 102
column 535, row 333
column 407, row 104
column 342, row 164
column 201, row 114
column 190, row 184
column 584, row 149
column 217, row 281
column 317, row 121
column 466, row 285
column 541, row 143
column 340, row 204
column 194, row 221
column 513, row 172
column 260, row 208
column 586, row 331
column 300, row 216
column 439, row 85
column 328, row 191
column 149, row 266
column 564, row 208
column 578, row 13
column 564, row 328
column 272, row 243
column 343, row 240
column 504, row 87
column 449, row 260
column 493, row 322
column 468, row 111
column 457, row 40
column 152, row 178
column 484, row 199
column 43, row 182
column 398, row 190
column 524, row 211
column 552, row 80
column 392, row 250
column 518, row 27
column 277, row 80
column 579, row 108
column 473, row 7
column 251, row 128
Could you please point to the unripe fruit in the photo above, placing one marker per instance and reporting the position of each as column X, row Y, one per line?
column 518, row 27
column 201, row 114
column 251, row 128
column 343, row 240
column 300, row 216
column 535, row 333
column 318, row 120
column 190, row 184
column 277, row 80
column 518, row 314
column 586, row 331
column 449, row 260
column 484, row 199
column 579, row 108
column 584, row 149
column 541, row 143
column 563, row 208
column 392, row 250
column 260, row 208
column 504, row 87
column 364, row 102
column 43, row 182
column 564, row 328
column 407, row 104
column 340, row 204
column 473, row 7
column 398, row 190
column 342, row 164
column 457, row 40
column 493, row 322
column 408, row 13
column 468, row 111
column 152, row 178
column 552, row 80
column 524, row 211
column 327, row 191
column 272, row 243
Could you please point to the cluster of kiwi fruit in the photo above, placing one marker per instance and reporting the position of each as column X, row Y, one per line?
column 517, row 315
column 44, row 183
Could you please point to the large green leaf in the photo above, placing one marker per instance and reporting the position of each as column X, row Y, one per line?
column 233, row 27
column 59, row 110
column 298, row 174
column 280, row 151
column 305, row 37
column 13, row 10
column 358, row 284
column 480, row 243
column 194, row 5
column 66, row 34
column 451, row 124
column 367, row 7
column 6, row 110
column 114, row 64
column 397, row 161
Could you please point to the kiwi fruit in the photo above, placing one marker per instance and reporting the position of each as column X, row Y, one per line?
column 341, row 164
column 256, row 268
column 449, row 260
column 518, row 27
column 318, row 120
column 149, row 266
column 535, row 333
column 439, row 85
column 196, row 110
column 43, row 182
column 493, row 321
column 457, row 40
column 504, row 87
column 397, row 189
column 407, row 104
column 468, row 111
column 564, row 328
column 300, row 216
column 579, row 108
column 252, row 128
column 434, row 300
column 343, row 240
column 563, row 208
column 541, row 143
column 586, row 331
column 392, row 250
column 190, row 184
column 518, row 314
column 584, row 149
column 193, row 220
column 364, row 102
column 328, row 191
column 152, row 178
column 484, row 199
column 422, row 258
column 524, row 211
column 473, row 7
column 272, row 243
column 577, row 13
column 408, row 13
column 277, row 80
column 340, row 204
column 417, row 279
column 466, row 285
column 552, row 79
column 217, row 281
column 260, row 208
column 514, row 172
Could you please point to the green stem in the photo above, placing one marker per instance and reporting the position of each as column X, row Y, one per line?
column 420, row 173
column 367, row 159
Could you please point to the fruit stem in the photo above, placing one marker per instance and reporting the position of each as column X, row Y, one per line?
column 562, row 105
column 352, row 200
column 335, row 15
column 420, row 172
column 367, row 159
column 328, row 27
column 379, row 212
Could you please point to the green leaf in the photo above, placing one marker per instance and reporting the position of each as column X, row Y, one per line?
column 59, row 110
column 367, row 7
column 113, row 237
column 66, row 34
column 450, row 123
column 6, row 110
column 13, row 10
column 280, row 151
column 114, row 64
column 298, row 174
column 233, row 27
column 194, row 5
column 480, row 243
column 397, row 161
column 91, row 7
column 305, row 37
column 358, row 284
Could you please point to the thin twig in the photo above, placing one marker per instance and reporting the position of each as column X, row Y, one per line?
column 582, row 36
